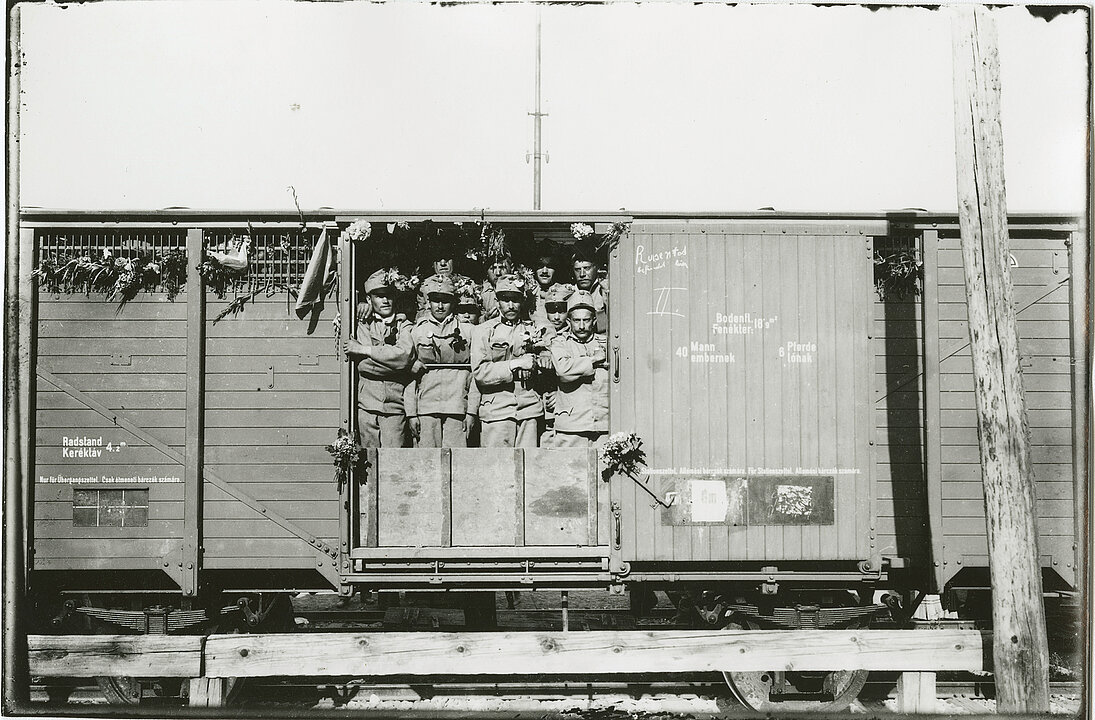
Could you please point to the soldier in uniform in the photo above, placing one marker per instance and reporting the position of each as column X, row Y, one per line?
column 503, row 357
column 580, row 359
column 488, row 299
column 546, row 272
column 589, row 278
column 443, row 266
column 555, row 307
column 467, row 311
column 438, row 403
column 384, row 353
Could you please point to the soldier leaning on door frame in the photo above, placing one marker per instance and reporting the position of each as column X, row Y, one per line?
column 384, row 352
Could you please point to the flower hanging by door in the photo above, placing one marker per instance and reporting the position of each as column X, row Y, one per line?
column 346, row 453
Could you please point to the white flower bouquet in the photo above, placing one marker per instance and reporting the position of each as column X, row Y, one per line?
column 359, row 231
column 622, row 453
column 346, row 454
column 581, row 231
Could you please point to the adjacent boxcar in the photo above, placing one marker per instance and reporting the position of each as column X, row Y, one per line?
column 807, row 427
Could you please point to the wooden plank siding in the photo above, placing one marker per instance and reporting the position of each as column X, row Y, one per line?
column 1040, row 267
column 271, row 405
column 485, row 497
column 268, row 406
column 128, row 357
column 759, row 410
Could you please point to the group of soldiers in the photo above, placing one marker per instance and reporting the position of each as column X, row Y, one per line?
column 510, row 362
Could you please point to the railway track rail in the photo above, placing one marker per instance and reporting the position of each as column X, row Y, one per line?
column 301, row 693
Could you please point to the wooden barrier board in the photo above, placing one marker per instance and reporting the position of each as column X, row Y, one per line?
column 135, row 655
column 590, row 653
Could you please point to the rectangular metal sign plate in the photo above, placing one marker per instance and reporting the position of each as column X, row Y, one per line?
column 746, row 499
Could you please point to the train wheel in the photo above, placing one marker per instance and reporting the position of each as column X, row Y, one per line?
column 773, row 691
column 126, row 690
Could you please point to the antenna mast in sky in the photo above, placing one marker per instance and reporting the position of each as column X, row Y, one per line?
column 537, row 145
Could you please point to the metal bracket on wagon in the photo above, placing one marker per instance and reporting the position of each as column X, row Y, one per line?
column 172, row 563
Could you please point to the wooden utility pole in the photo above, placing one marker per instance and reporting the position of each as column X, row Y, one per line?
column 16, row 401
column 1020, row 653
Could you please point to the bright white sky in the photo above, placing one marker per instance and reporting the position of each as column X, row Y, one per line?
column 409, row 106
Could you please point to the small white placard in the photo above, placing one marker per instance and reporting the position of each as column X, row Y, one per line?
column 709, row 500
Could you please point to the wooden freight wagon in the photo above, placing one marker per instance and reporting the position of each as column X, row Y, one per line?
column 807, row 418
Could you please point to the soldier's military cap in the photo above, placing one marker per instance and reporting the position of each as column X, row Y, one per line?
column 559, row 292
column 511, row 284
column 580, row 299
column 377, row 281
column 441, row 284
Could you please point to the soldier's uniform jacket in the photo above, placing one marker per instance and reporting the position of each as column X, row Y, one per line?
column 581, row 402
column 599, row 291
column 539, row 313
column 488, row 301
column 501, row 397
column 424, row 302
column 443, row 391
column 384, row 375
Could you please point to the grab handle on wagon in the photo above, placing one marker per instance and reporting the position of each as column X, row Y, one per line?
column 615, row 364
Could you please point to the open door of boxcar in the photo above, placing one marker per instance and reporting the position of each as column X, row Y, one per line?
column 448, row 518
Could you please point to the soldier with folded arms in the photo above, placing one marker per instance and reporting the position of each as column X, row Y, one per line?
column 503, row 357
column 580, row 359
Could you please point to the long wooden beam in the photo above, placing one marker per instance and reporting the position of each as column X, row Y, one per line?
column 134, row 655
column 591, row 652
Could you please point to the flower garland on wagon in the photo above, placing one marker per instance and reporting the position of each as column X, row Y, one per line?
column 898, row 274
column 116, row 277
column 346, row 454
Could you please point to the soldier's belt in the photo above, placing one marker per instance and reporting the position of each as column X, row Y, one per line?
column 447, row 366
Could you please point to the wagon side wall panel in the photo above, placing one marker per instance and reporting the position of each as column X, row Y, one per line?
column 271, row 405
column 129, row 358
column 1039, row 268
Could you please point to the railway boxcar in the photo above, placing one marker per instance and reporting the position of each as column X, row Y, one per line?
column 805, row 408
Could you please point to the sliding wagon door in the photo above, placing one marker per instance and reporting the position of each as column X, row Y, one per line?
column 744, row 367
